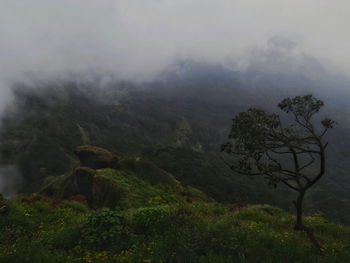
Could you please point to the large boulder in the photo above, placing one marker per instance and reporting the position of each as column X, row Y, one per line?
column 96, row 158
column 84, row 177
column 86, row 185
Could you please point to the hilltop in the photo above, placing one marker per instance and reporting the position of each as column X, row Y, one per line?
column 140, row 213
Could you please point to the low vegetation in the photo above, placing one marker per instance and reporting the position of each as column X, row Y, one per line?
column 160, row 222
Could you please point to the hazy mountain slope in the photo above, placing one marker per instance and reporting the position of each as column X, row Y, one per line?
column 179, row 122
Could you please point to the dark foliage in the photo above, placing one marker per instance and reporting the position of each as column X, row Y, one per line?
column 294, row 155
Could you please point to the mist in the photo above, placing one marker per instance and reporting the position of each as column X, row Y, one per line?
column 136, row 39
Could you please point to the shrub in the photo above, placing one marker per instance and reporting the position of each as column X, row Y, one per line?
column 75, row 206
column 148, row 220
column 105, row 228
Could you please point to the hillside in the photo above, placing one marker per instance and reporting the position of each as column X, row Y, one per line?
column 154, row 219
column 162, row 131
column 177, row 123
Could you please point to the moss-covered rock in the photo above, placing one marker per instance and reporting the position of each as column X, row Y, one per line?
column 96, row 157
column 84, row 182
column 107, row 192
column 84, row 177
column 135, row 184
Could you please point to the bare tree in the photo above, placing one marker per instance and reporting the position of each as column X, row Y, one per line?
column 294, row 155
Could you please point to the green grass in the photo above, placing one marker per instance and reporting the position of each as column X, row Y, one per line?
column 137, row 183
column 41, row 229
column 145, row 219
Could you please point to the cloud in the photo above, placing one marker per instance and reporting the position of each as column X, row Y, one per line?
column 137, row 38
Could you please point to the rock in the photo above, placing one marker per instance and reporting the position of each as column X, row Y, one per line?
column 84, row 177
column 107, row 192
column 85, row 184
column 96, row 158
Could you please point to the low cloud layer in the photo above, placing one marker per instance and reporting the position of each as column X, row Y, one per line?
column 135, row 39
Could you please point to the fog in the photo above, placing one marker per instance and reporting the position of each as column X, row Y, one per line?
column 137, row 39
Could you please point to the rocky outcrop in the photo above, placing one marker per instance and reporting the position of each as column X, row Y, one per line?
column 84, row 177
column 98, row 191
column 96, row 158
column 100, row 187
column 84, row 183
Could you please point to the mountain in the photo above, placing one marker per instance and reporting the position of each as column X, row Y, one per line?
column 178, row 122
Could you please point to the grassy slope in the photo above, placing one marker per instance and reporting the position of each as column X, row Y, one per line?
column 160, row 222
column 135, row 183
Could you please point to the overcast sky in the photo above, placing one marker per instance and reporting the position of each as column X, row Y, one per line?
column 137, row 38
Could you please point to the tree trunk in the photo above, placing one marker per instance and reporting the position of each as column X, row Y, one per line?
column 299, row 209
